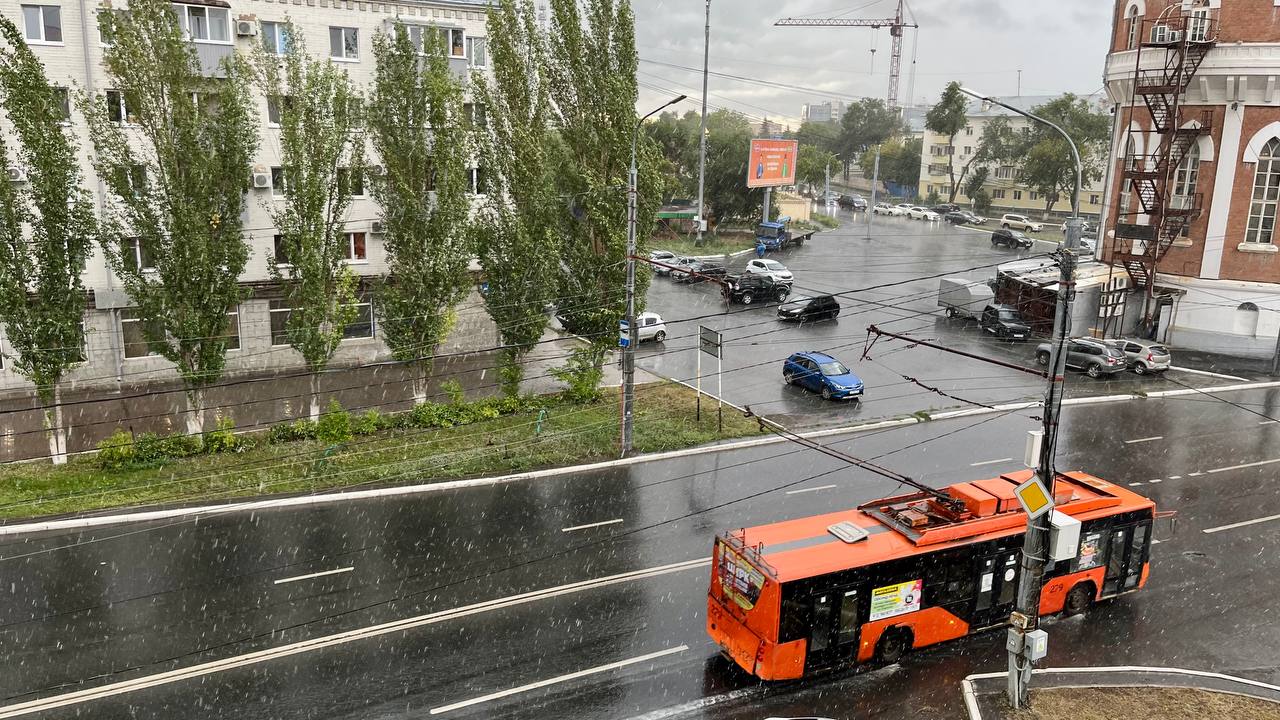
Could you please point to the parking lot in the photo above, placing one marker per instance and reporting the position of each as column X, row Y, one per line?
column 891, row 280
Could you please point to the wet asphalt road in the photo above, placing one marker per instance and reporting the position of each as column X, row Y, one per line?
column 96, row 610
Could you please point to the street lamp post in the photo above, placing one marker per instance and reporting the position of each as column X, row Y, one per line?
column 702, row 133
column 1035, row 547
column 632, row 334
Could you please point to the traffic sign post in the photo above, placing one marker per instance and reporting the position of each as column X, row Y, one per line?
column 711, row 342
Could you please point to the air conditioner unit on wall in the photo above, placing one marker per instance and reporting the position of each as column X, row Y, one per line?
column 17, row 175
column 246, row 28
column 262, row 180
column 378, row 227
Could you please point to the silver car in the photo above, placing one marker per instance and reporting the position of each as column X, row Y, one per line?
column 1144, row 356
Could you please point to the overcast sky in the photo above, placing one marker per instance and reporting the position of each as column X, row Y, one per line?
column 1060, row 47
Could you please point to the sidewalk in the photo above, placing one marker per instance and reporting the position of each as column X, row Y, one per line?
column 985, row 698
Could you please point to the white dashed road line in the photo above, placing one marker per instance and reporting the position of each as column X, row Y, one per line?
column 1233, row 526
column 560, row 679
column 809, row 490
column 339, row 571
column 1143, row 440
column 990, row 462
column 1206, row 373
column 1246, row 465
column 592, row 525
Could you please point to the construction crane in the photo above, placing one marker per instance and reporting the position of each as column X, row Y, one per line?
column 896, row 27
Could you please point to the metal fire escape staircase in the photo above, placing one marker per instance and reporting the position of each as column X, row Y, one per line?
column 1184, row 40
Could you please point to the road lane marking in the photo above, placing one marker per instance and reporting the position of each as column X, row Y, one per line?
column 556, row 680
column 1233, row 526
column 1246, row 465
column 1157, row 480
column 809, row 490
column 1136, row 484
column 591, row 525
column 326, row 641
column 1143, row 440
column 314, row 575
column 1208, row 374
column 990, row 462
column 1197, row 474
column 1175, row 477
column 1155, row 541
column 1269, row 422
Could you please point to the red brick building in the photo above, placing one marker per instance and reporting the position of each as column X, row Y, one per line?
column 1194, row 183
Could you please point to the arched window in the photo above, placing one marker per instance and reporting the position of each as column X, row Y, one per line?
column 1184, row 181
column 1266, row 193
column 1247, row 319
column 1134, row 22
column 1126, row 186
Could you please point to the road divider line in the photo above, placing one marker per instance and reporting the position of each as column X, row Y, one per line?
column 1246, row 465
column 326, row 641
column 1206, row 373
column 990, row 462
column 1144, row 440
column 560, row 679
column 1246, row 523
column 339, row 571
column 1269, row 422
column 588, row 526
column 812, row 489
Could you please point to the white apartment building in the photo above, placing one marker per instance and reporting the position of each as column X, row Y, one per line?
column 65, row 35
column 1007, row 194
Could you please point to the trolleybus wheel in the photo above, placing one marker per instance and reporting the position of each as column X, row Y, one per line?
column 1079, row 599
column 893, row 643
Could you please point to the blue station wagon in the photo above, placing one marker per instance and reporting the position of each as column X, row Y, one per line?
column 823, row 374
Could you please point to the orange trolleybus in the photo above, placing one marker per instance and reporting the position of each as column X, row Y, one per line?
column 872, row 582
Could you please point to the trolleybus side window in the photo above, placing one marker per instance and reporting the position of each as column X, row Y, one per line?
column 1092, row 546
column 795, row 619
column 849, row 611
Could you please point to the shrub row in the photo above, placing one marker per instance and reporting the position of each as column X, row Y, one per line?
column 335, row 427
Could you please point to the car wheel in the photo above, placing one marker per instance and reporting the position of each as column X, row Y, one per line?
column 826, row 393
column 951, row 312
column 789, row 378
column 1140, row 368
column 1043, row 358
column 660, row 336
column 893, row 644
column 1078, row 600
column 1094, row 370
column 1005, row 225
column 782, row 295
column 747, row 298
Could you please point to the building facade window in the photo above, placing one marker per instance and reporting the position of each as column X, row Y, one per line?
column 135, row 342
column 137, row 255
column 117, row 111
column 477, row 52
column 1266, row 192
column 277, row 182
column 232, row 334
column 62, row 103
column 1198, row 27
column 275, row 38
column 968, row 131
column 352, row 182
column 362, row 326
column 1184, row 181
column 356, row 248
column 344, row 43
column 1134, row 22
column 1005, row 172
column 475, row 115
column 204, row 24
column 478, row 181
column 1247, row 319
column 42, row 23
column 279, row 311
column 279, row 253
column 997, row 194
column 1034, row 195
column 1093, row 199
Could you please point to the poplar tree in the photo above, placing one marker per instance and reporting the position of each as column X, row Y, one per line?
column 517, row 240
column 42, row 296
column 417, row 126
column 949, row 117
column 178, row 173
column 322, row 158
column 591, row 72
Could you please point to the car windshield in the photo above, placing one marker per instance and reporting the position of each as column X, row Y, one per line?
column 1009, row 315
column 1158, row 350
column 798, row 301
column 833, row 368
column 773, row 265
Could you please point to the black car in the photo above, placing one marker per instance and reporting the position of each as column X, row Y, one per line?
column 945, row 208
column 803, row 308
column 750, row 287
column 1004, row 321
column 699, row 270
column 853, row 202
column 1010, row 239
column 960, row 217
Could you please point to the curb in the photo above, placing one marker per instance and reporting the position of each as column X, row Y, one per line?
column 1118, row 677
column 345, row 496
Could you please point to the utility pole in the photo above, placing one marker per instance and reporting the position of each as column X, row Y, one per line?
column 1035, row 546
column 631, row 334
column 702, row 134
column 875, row 183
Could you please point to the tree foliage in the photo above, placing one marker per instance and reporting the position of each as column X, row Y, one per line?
column 728, row 141
column 591, row 79
column 322, row 158
column 1047, row 165
column 418, row 128
column 178, row 176
column 899, row 162
column 998, row 144
column 811, row 165
column 948, row 117
column 516, row 238
column 866, row 123
column 42, row 297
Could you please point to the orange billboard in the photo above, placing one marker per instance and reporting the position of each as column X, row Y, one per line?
column 773, row 163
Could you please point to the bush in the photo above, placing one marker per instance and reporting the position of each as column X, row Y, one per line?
column 335, row 425
column 289, row 432
column 225, row 440
column 582, row 373
column 430, row 415
column 453, row 389
column 368, row 423
column 117, row 451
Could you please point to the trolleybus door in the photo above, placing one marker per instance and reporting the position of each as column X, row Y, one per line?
column 997, row 588
column 835, row 618
column 1127, row 551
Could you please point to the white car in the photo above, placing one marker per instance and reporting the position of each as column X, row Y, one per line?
column 1020, row 222
column 649, row 326
column 887, row 209
column 904, row 207
column 663, row 256
column 772, row 268
column 922, row 213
